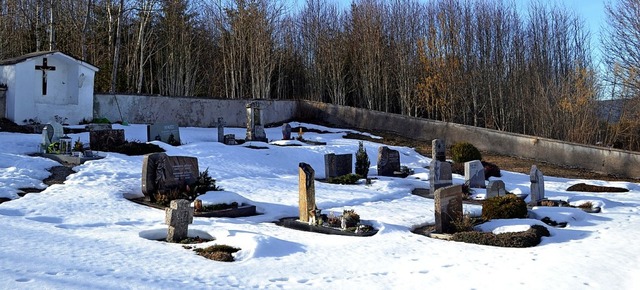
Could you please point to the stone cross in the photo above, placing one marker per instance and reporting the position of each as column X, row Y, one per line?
column 44, row 68
column 495, row 188
column 439, row 175
column 220, row 124
column 178, row 216
column 448, row 207
column 474, row 174
column 537, row 185
column 307, row 191
column 438, row 150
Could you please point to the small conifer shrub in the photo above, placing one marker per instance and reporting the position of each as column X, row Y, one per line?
column 504, row 207
column 362, row 161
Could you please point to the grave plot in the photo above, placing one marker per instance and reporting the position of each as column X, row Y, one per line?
column 311, row 219
column 168, row 178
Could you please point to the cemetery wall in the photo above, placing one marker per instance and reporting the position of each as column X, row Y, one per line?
column 3, row 103
column 196, row 112
column 599, row 159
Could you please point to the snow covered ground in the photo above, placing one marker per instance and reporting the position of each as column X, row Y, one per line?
column 84, row 234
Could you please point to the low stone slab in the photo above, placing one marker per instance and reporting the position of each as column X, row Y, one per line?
column 69, row 159
column 243, row 210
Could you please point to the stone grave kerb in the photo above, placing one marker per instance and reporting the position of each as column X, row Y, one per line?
column 178, row 217
column 306, row 192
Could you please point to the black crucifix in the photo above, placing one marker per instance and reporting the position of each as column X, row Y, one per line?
column 44, row 68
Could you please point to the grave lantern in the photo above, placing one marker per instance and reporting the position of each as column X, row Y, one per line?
column 65, row 145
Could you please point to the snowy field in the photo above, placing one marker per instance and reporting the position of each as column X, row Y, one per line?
column 84, row 234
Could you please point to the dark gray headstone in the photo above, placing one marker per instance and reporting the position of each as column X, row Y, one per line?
column 167, row 133
column 495, row 188
column 448, row 207
column 474, row 174
column 388, row 161
column 178, row 216
column 220, row 124
column 106, row 140
column 286, row 131
column 438, row 150
column 537, row 185
column 337, row 164
column 439, row 175
column 162, row 173
column 230, row 139
column 306, row 191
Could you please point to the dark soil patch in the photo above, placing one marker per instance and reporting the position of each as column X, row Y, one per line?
column 7, row 125
column 595, row 188
column 136, row 148
column 58, row 175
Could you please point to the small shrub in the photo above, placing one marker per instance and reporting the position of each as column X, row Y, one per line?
column 203, row 183
column 463, row 224
column 78, row 145
column 362, row 161
column 333, row 220
column 529, row 238
column 100, row 121
column 547, row 203
column 136, row 148
column 54, row 148
column 586, row 205
column 457, row 168
column 345, row 179
column 464, row 152
column 491, row 169
column 504, row 207
column 221, row 253
column 351, row 218
column 172, row 141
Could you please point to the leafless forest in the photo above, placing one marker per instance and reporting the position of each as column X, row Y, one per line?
column 475, row 62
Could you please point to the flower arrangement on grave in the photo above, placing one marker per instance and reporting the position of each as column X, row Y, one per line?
column 201, row 185
column 362, row 161
column 53, row 148
column 78, row 146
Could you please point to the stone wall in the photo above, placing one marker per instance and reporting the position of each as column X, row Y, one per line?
column 3, row 103
column 598, row 159
column 197, row 112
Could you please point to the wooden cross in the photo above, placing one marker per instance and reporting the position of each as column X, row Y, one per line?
column 44, row 68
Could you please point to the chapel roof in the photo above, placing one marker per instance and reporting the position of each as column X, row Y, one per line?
column 19, row 59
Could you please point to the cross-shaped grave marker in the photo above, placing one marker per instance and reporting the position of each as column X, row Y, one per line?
column 178, row 216
column 44, row 68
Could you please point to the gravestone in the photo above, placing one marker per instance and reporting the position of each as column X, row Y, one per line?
column 106, row 140
column 474, row 174
column 448, row 207
column 537, row 185
column 167, row 133
column 230, row 139
column 388, row 161
column 52, row 132
column 220, row 124
column 306, row 192
column 286, row 131
column 162, row 173
column 178, row 216
column 439, row 175
column 495, row 188
column 255, row 129
column 337, row 164
column 438, row 150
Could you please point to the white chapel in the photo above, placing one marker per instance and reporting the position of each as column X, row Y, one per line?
column 47, row 85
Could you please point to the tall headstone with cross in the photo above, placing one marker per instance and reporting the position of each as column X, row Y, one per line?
column 46, row 84
column 178, row 217
column 255, row 128
column 306, row 191
column 438, row 150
